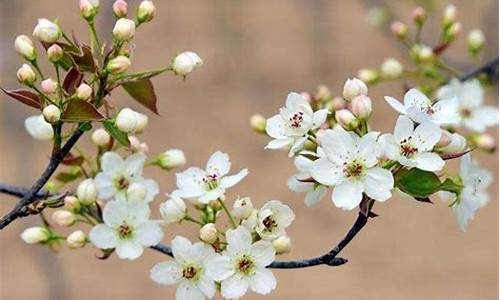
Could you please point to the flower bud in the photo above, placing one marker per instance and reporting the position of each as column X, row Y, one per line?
column 361, row 107
column 368, row 75
column 258, row 123
column 457, row 144
column 63, row 218
column 87, row 192
column 449, row 15
column 391, row 68
column 47, row 31
column 424, row 53
column 337, row 103
column 124, row 29
column 55, row 53
column 186, row 62
column 136, row 192
column 242, row 208
column 445, row 139
column 137, row 146
column 118, row 65
column 145, row 11
column 399, row 29
column 173, row 210
column 283, row 244
column 100, row 137
column 35, row 235
column 485, row 142
column 129, row 120
column 26, row 75
column 120, row 8
column 49, row 86
column 346, row 119
column 475, row 41
column 323, row 93
column 76, row 239
column 71, row 203
column 51, row 113
column 142, row 122
column 169, row 159
column 453, row 31
column 354, row 87
column 24, row 46
column 419, row 15
column 84, row 92
column 38, row 128
column 208, row 233
column 89, row 9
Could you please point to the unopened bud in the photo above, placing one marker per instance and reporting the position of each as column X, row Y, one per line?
column 38, row 128
column 423, row 53
column 35, row 235
column 172, row 158
column 63, row 218
column 419, row 15
column 100, row 137
column 87, row 192
column 145, row 11
column 361, row 107
column 475, row 41
column 26, row 75
column 283, row 244
column 208, row 233
column 55, row 53
column 129, row 120
column 346, row 119
column 485, row 142
column 136, row 192
column 452, row 32
column 354, row 87
column 258, row 123
column 323, row 93
column 399, row 29
column 137, row 146
column 391, row 68
column 120, row 8
column 24, row 46
column 124, row 29
column 337, row 103
column 186, row 62
column 445, row 139
column 457, row 143
column 173, row 210
column 76, row 239
column 49, row 86
column 51, row 113
column 47, row 31
column 449, row 15
column 71, row 203
column 84, row 92
column 242, row 208
column 368, row 75
column 118, row 65
column 89, row 9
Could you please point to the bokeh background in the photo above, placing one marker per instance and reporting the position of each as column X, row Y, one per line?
column 255, row 52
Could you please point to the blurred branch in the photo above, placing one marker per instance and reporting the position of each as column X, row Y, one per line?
column 490, row 69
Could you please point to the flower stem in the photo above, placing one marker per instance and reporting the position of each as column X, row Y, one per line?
column 191, row 219
column 228, row 213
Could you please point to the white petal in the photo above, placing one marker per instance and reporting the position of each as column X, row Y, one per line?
column 482, row 118
column 148, row 234
column 187, row 290
column 218, row 164
column 201, row 252
column 297, row 145
column 415, row 98
column 212, row 195
column 234, row 287
column 105, row 186
column 103, row 237
column 368, row 149
column 275, row 127
column 152, row 189
column 239, row 240
column 390, row 146
column 207, row 286
column 219, row 268
column 428, row 161
column 229, row 181
column 294, row 100
column 180, row 248
column 319, row 117
column 111, row 163
column 129, row 250
column 446, row 112
column 403, row 128
column 279, row 143
column 298, row 186
column 262, row 281
column 114, row 213
column 263, row 253
column 378, row 183
column 348, row 194
column 426, row 136
column 315, row 196
column 325, row 172
column 396, row 105
column 138, row 213
column 134, row 164
column 166, row 273
column 190, row 183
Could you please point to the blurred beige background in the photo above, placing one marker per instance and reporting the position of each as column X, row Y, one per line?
column 255, row 52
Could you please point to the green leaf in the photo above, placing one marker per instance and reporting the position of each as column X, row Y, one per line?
column 417, row 183
column 79, row 110
column 143, row 92
column 116, row 133
column 25, row 97
column 66, row 177
column 451, row 185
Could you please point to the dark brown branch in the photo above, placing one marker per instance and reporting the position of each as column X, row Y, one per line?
column 490, row 69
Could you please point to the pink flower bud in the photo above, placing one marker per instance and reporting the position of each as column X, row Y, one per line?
column 361, row 107
column 72, row 203
column 24, row 46
column 485, row 142
column 146, row 11
column 136, row 146
column 55, row 53
column 337, row 103
column 124, row 29
column 419, row 15
column 120, row 8
column 89, row 9
column 118, row 65
column 26, row 75
column 457, row 143
column 399, row 29
column 445, row 139
column 354, row 87
column 49, row 86
column 63, row 218
column 84, row 91
column 346, row 119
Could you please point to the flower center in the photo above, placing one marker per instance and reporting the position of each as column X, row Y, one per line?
column 296, row 119
column 211, row 181
column 124, row 231
column 353, row 169
column 429, row 110
column 245, row 265
column 190, row 272
column 407, row 149
column 121, row 183
column 465, row 113
column 269, row 223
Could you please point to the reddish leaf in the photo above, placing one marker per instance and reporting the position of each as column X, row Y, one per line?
column 143, row 92
column 24, row 96
column 72, row 160
column 79, row 110
column 72, row 80
column 84, row 61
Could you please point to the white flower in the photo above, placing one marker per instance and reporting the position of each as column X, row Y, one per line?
column 47, row 31
column 413, row 147
column 350, row 164
column 127, row 229
column 420, row 108
column 301, row 183
column 474, row 195
column 38, row 128
column 209, row 184
column 173, row 210
column 291, row 126
column 251, row 221
column 273, row 218
column 188, row 270
column 186, row 62
column 243, row 265
column 473, row 114
column 118, row 174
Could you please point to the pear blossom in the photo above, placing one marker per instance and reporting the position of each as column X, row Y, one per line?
column 473, row 115
column 242, row 265
column 473, row 195
column 420, row 108
column 127, row 229
column 273, row 218
column 292, row 125
column 301, row 183
column 412, row 147
column 118, row 174
column 350, row 164
column 188, row 270
column 209, row 184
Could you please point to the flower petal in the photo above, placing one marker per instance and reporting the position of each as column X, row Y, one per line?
column 348, row 194
column 426, row 136
column 218, row 164
column 234, row 287
column 103, row 237
column 415, row 98
column 212, row 195
column 428, row 161
column 403, row 129
column 279, row 143
column 134, row 164
column 229, row 181
column 396, row 105
column 275, row 127
column 239, row 240
column 114, row 213
column 319, row 117
column 190, row 183
column 219, row 267
column 111, row 163
column 180, row 248
column 207, row 286
column 263, row 253
column 326, row 172
column 148, row 234
column 188, row 290
column 378, row 183
column 315, row 195
column 105, row 185
column 166, row 273
column 262, row 281
column 129, row 250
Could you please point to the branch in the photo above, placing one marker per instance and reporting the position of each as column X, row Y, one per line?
column 490, row 69
column 20, row 210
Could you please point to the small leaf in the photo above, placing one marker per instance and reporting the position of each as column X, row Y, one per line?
column 417, row 183
column 452, row 186
column 84, row 61
column 72, row 80
column 25, row 97
column 143, row 92
column 66, row 177
column 79, row 110
column 72, row 160
column 116, row 133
